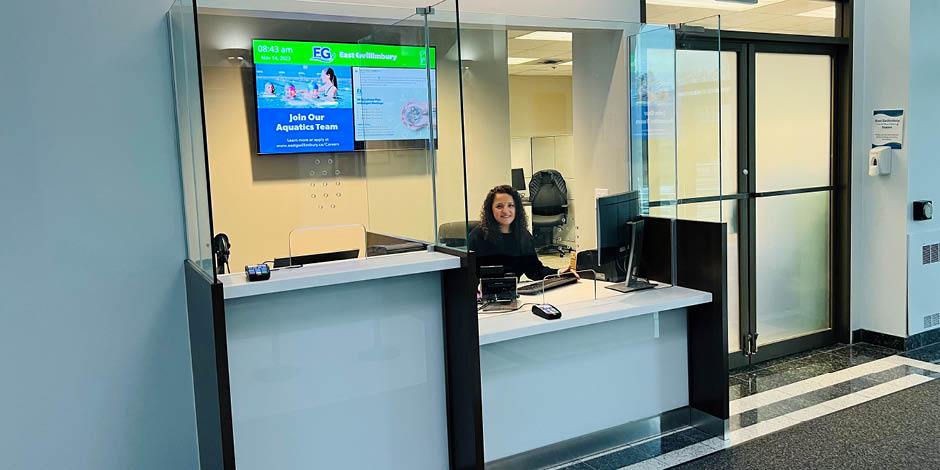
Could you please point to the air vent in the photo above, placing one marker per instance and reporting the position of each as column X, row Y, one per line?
column 930, row 253
column 932, row 321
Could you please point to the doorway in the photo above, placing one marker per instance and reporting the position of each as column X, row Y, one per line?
column 784, row 192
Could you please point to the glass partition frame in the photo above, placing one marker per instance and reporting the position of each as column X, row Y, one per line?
column 213, row 62
column 197, row 210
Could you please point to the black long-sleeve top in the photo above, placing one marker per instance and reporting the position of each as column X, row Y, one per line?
column 515, row 255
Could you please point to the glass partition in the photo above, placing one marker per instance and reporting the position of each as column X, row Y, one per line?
column 189, row 117
column 332, row 131
column 325, row 114
column 576, row 109
column 450, row 182
column 653, row 118
column 707, row 145
column 334, row 128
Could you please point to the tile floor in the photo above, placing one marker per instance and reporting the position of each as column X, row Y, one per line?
column 780, row 393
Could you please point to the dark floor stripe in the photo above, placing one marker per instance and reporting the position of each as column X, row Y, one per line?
column 800, row 367
column 806, row 400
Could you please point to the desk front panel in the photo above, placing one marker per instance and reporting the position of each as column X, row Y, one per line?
column 342, row 376
column 544, row 389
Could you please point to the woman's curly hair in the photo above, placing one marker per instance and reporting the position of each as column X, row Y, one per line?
column 488, row 223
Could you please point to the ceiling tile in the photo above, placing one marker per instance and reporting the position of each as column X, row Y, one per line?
column 792, row 7
column 783, row 22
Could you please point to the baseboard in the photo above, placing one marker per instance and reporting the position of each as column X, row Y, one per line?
column 571, row 449
column 924, row 338
column 708, row 424
column 879, row 339
column 919, row 340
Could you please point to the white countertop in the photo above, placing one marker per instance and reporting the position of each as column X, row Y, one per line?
column 581, row 308
column 338, row 272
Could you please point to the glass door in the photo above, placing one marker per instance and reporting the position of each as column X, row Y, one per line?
column 703, row 195
column 777, row 192
column 790, row 199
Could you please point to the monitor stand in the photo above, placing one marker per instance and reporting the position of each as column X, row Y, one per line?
column 632, row 283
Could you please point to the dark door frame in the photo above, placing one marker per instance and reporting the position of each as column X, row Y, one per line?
column 746, row 44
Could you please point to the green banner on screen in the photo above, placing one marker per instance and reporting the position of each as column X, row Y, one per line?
column 340, row 54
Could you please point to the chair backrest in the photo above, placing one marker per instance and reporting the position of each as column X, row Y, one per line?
column 548, row 193
column 455, row 233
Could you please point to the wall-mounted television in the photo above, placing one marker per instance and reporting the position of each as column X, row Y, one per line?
column 338, row 97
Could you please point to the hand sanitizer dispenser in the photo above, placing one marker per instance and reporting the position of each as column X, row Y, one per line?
column 879, row 161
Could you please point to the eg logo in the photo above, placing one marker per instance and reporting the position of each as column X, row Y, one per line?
column 322, row 54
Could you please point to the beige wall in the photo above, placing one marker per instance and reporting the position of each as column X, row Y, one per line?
column 486, row 116
column 258, row 200
column 540, row 110
column 539, row 105
column 601, row 108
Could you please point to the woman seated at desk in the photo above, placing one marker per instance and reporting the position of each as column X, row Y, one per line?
column 502, row 238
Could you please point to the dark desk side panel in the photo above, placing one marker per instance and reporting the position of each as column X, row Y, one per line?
column 656, row 257
column 462, row 362
column 210, row 370
column 701, row 263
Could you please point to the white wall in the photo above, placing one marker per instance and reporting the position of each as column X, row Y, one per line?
column 93, row 337
column 609, row 10
column 923, row 143
column 879, row 205
column 896, row 65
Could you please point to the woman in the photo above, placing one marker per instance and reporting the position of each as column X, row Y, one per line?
column 328, row 83
column 503, row 239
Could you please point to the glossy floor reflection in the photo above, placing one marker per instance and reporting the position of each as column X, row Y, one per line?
column 781, row 393
column 791, row 369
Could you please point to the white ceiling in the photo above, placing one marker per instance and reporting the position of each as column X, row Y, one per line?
column 540, row 51
column 809, row 17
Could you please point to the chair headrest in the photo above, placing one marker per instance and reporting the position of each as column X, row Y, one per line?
column 544, row 179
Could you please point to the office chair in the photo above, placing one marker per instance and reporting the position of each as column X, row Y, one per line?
column 454, row 234
column 548, row 194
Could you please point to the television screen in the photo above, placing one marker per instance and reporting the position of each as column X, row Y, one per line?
column 335, row 97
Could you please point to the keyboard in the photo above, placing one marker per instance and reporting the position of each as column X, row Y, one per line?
column 537, row 287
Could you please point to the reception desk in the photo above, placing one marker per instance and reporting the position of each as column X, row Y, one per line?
column 327, row 359
column 612, row 360
column 383, row 362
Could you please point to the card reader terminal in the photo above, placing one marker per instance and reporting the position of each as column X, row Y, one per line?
column 546, row 311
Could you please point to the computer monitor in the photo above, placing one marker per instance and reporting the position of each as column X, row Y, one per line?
column 301, row 260
column 518, row 179
column 620, row 237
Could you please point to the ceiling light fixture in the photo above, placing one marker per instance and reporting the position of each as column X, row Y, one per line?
column 827, row 12
column 547, row 36
column 726, row 5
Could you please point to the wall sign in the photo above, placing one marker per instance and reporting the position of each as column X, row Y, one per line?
column 887, row 128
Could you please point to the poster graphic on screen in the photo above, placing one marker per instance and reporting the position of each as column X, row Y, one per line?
column 304, row 108
column 392, row 104
column 335, row 97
